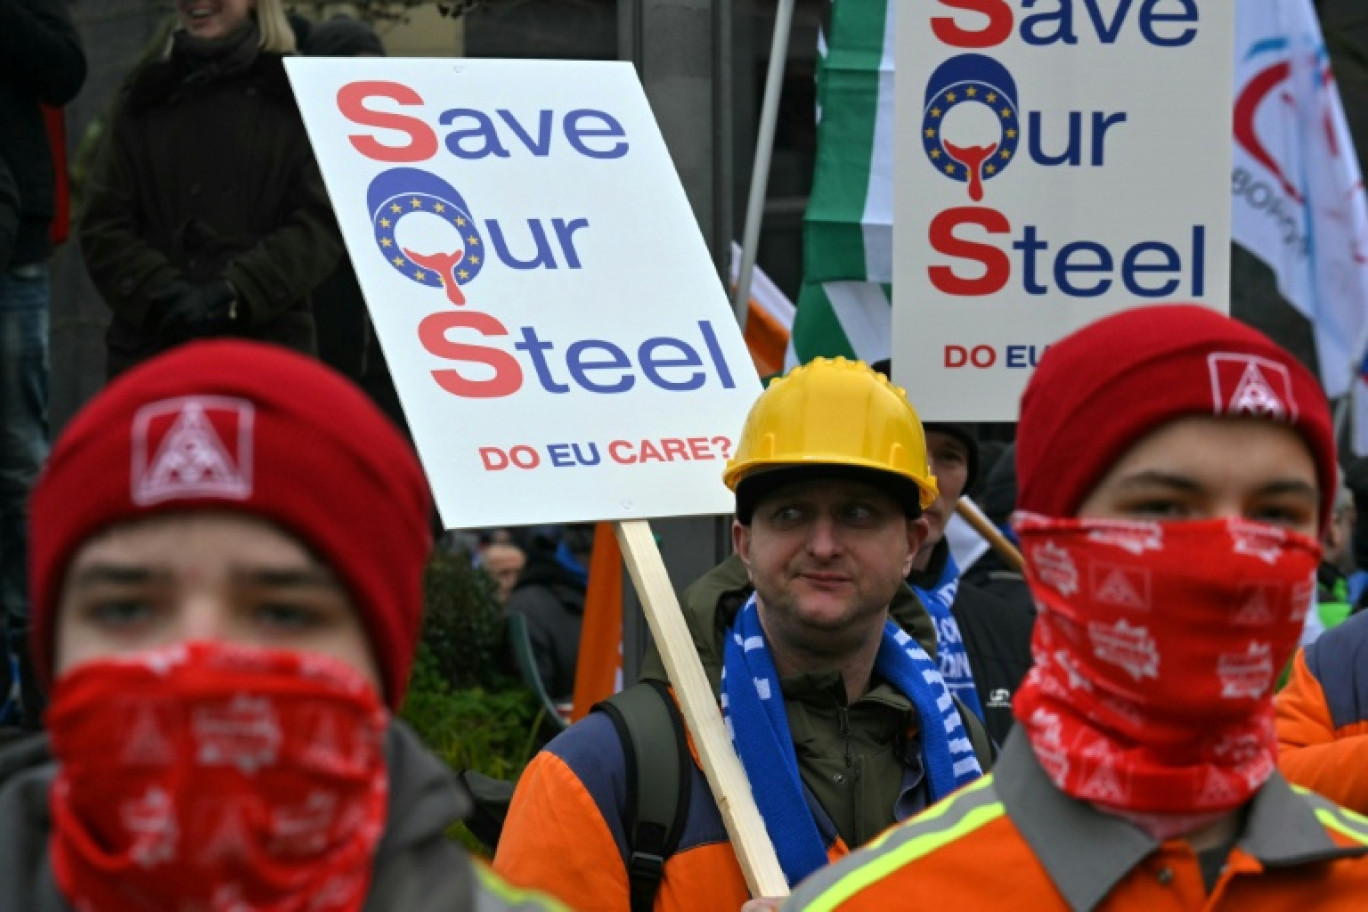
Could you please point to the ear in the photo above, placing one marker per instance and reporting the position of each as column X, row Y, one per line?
column 741, row 542
column 918, row 530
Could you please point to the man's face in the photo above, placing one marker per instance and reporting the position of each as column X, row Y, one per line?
column 949, row 459
column 826, row 557
column 1208, row 468
column 503, row 562
column 203, row 576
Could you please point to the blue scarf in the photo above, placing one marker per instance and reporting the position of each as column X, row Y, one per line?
column 753, row 708
column 954, row 659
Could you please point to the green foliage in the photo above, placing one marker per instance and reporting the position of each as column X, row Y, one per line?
column 463, row 624
column 461, row 701
column 493, row 731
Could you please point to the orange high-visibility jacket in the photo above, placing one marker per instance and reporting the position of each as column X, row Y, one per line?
column 1012, row 840
column 1323, row 716
column 564, row 834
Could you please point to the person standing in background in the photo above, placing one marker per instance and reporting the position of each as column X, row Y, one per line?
column 41, row 62
column 205, row 213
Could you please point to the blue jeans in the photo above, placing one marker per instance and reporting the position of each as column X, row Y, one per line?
column 24, row 367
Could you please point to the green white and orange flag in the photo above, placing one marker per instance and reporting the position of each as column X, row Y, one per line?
column 844, row 305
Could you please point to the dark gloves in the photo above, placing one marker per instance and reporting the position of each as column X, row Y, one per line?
column 182, row 311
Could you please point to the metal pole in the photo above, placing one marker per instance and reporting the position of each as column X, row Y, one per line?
column 764, row 147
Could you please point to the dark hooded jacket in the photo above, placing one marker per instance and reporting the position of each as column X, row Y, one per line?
column 41, row 62
column 207, row 174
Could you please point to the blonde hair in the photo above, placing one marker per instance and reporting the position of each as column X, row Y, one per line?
column 276, row 34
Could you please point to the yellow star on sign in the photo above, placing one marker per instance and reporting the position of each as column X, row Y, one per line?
column 971, row 91
column 991, row 97
column 935, row 153
column 949, row 169
column 419, row 276
column 463, row 274
column 398, row 261
column 396, row 208
column 417, row 203
column 474, row 241
column 950, row 97
column 1006, row 113
column 1011, row 134
column 384, row 223
column 1006, row 153
column 930, row 132
column 935, row 112
column 474, row 261
column 458, row 222
column 439, row 207
column 386, row 242
column 991, row 169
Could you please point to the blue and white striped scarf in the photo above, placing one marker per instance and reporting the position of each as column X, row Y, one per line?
column 753, row 708
column 954, row 658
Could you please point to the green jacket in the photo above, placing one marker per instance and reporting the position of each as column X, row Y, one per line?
column 850, row 755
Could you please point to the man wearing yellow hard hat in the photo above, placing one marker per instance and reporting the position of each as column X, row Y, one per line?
column 839, row 714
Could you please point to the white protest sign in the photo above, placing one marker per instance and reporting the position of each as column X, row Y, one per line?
column 554, row 325
column 1056, row 162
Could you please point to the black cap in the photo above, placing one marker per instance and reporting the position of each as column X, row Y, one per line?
column 755, row 487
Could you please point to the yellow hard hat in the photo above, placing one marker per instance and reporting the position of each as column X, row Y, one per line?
column 838, row 413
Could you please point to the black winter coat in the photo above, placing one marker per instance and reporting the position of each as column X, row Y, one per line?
column 207, row 174
column 41, row 61
column 997, row 637
column 552, row 598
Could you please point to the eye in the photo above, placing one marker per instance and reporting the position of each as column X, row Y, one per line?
column 289, row 616
column 119, row 612
column 949, row 457
column 1157, row 508
column 860, row 514
column 787, row 515
column 1297, row 517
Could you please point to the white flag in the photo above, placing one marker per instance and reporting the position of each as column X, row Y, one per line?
column 1297, row 195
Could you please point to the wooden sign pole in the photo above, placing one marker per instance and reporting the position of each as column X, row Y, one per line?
column 723, row 768
column 981, row 524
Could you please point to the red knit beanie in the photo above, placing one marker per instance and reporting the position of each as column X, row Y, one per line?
column 253, row 428
column 1098, row 391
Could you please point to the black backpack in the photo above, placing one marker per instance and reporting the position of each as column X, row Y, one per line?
column 651, row 730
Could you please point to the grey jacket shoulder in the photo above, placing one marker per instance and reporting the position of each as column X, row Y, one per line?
column 418, row 868
column 26, row 773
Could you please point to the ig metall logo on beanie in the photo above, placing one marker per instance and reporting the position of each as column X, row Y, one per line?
column 192, row 447
column 1250, row 385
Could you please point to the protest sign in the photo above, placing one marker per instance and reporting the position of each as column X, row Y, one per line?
column 1055, row 163
column 561, row 343
column 556, row 330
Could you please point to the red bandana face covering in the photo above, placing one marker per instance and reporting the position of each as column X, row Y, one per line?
column 216, row 778
column 1156, row 650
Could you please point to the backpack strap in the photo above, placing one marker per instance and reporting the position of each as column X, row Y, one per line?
column 652, row 735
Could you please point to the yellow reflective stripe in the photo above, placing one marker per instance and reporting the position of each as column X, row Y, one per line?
column 1332, row 821
column 880, row 867
column 513, row 895
column 1334, row 817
